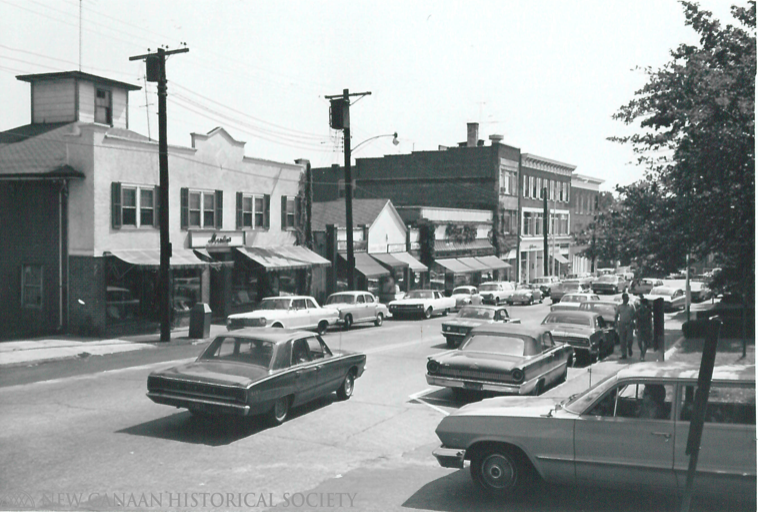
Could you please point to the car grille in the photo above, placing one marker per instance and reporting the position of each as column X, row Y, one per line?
column 573, row 340
column 196, row 389
column 452, row 329
column 408, row 308
column 457, row 373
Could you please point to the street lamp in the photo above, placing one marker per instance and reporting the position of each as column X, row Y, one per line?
column 395, row 140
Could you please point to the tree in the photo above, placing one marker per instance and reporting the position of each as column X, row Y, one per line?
column 697, row 142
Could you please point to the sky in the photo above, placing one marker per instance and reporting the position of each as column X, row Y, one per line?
column 547, row 75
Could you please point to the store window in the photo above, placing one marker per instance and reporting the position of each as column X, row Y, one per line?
column 186, row 293
column 31, row 286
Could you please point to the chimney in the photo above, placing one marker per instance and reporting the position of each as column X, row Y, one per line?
column 473, row 135
column 496, row 138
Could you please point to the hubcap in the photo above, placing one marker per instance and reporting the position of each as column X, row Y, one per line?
column 349, row 385
column 498, row 472
column 280, row 409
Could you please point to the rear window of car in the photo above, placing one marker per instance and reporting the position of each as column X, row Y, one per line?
column 508, row 345
column 420, row 295
column 240, row 350
column 563, row 318
column 482, row 314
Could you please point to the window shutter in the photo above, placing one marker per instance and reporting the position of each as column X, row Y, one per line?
column 185, row 208
column 267, row 211
column 284, row 213
column 157, row 207
column 298, row 210
column 116, row 205
column 219, row 209
column 239, row 210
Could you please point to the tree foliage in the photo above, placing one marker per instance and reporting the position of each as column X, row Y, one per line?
column 696, row 116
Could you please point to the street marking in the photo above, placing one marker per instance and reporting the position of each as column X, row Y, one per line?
column 417, row 397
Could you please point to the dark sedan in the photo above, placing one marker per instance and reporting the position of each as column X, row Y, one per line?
column 502, row 358
column 586, row 331
column 257, row 371
column 457, row 328
column 606, row 309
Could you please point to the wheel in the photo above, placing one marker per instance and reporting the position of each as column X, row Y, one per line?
column 278, row 413
column 445, row 312
column 499, row 471
column 323, row 325
column 428, row 312
column 379, row 320
column 345, row 390
column 538, row 388
column 278, row 326
column 498, row 301
column 348, row 322
column 531, row 300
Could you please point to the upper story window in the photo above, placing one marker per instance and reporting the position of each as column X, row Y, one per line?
column 253, row 211
column 525, row 187
column 533, row 186
column 288, row 212
column 201, row 209
column 31, row 286
column 134, row 205
column 103, row 107
column 508, row 182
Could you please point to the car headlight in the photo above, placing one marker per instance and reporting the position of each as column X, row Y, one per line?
column 432, row 366
column 258, row 322
column 517, row 375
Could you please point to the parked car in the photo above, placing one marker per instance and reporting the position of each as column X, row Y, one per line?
column 699, row 291
column 496, row 292
column 573, row 300
column 422, row 302
column 455, row 329
column 357, row 307
column 557, row 292
column 525, row 294
column 466, row 295
column 635, row 421
column 291, row 312
column 606, row 309
column 545, row 283
column 610, row 284
column 644, row 285
column 586, row 331
column 673, row 298
column 503, row 358
column 257, row 371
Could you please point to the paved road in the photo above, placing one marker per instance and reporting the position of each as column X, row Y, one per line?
column 94, row 437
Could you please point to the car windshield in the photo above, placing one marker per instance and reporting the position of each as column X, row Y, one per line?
column 507, row 345
column 240, row 350
column 603, row 309
column 420, row 294
column 565, row 318
column 480, row 313
column 579, row 403
column 463, row 291
column 571, row 287
column 488, row 287
column 268, row 304
column 607, row 279
column 341, row 299
column 661, row 290
column 574, row 298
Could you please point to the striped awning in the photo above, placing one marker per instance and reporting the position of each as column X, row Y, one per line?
column 180, row 258
column 389, row 260
column 412, row 262
column 367, row 265
column 455, row 266
column 474, row 263
column 493, row 262
column 285, row 257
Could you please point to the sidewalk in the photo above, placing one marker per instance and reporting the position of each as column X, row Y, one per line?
column 56, row 348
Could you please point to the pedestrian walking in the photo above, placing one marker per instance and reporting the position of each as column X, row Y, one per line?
column 644, row 322
column 625, row 325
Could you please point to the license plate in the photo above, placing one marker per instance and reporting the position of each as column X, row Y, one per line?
column 472, row 385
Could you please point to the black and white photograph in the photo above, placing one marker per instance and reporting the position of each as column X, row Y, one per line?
column 372, row 255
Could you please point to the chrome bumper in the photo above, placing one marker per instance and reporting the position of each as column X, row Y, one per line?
column 498, row 387
column 450, row 457
column 204, row 405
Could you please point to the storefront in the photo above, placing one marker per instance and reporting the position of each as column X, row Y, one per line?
column 416, row 275
column 453, row 272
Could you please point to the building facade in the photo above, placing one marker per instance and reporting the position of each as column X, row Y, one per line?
column 585, row 191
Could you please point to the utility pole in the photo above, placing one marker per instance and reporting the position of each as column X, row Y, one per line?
column 340, row 119
column 156, row 72
column 545, row 224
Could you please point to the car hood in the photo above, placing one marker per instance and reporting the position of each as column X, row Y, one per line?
column 261, row 313
column 650, row 297
column 217, row 372
column 568, row 329
column 468, row 322
column 522, row 406
column 483, row 360
column 408, row 302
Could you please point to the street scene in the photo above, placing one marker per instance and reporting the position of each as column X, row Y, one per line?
column 541, row 300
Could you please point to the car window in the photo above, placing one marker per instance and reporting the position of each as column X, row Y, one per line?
column 240, row 350
column 645, row 401
column 511, row 345
column 369, row 299
column 317, row 348
column 300, row 352
column 298, row 304
column 727, row 403
column 311, row 304
column 600, row 322
column 361, row 299
column 547, row 342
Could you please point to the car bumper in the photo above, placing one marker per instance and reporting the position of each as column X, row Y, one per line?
column 212, row 407
column 497, row 387
column 457, row 336
column 450, row 457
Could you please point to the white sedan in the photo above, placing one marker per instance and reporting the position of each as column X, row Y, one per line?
column 673, row 298
column 294, row 312
column 422, row 302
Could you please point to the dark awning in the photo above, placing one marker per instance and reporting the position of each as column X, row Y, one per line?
column 180, row 258
column 412, row 262
column 283, row 257
column 455, row 266
column 493, row 262
column 367, row 265
column 389, row 260
column 474, row 263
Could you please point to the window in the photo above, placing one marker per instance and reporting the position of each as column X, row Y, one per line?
column 288, row 212
column 533, row 186
column 252, row 211
column 31, row 286
column 527, row 222
column 727, row 403
column 526, row 186
column 317, row 349
column 369, row 299
column 103, row 107
column 134, row 205
column 538, row 223
column 204, row 209
column 539, row 188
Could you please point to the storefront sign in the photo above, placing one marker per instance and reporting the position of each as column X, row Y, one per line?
column 216, row 239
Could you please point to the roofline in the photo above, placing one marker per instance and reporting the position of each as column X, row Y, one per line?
column 38, row 77
column 531, row 156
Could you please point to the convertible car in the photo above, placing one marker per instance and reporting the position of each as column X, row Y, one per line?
column 630, row 430
column 503, row 358
column 455, row 329
column 586, row 331
column 293, row 312
column 257, row 371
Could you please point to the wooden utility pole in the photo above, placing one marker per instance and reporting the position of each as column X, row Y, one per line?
column 545, row 227
column 156, row 72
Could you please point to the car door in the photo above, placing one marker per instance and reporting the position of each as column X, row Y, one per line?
column 621, row 440
column 550, row 362
column 370, row 307
column 298, row 317
column 360, row 308
column 307, row 373
column 330, row 368
column 727, row 459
